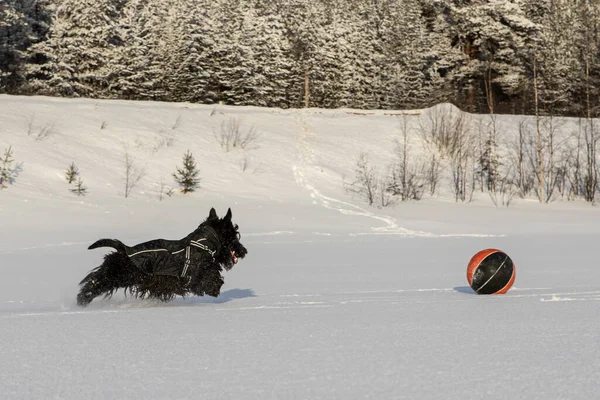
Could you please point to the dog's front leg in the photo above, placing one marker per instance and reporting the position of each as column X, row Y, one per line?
column 212, row 282
column 207, row 281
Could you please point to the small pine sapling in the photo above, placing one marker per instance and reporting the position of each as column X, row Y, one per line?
column 187, row 177
column 72, row 173
column 7, row 172
column 79, row 189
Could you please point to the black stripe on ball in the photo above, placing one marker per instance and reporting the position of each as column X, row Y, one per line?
column 492, row 273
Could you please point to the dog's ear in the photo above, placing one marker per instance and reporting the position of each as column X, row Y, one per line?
column 212, row 214
column 228, row 215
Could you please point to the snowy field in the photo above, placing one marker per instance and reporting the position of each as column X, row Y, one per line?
column 335, row 300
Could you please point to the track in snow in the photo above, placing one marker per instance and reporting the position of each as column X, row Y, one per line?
column 252, row 301
column 306, row 159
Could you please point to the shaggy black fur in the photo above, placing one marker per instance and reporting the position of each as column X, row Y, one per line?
column 162, row 269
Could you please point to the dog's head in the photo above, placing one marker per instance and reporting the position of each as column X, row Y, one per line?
column 229, row 236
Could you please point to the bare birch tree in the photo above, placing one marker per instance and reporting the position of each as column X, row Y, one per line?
column 133, row 174
column 366, row 183
column 408, row 175
column 539, row 148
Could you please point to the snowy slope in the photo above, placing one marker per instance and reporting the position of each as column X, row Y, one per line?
column 335, row 300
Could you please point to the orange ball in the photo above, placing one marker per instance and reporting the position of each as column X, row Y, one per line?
column 491, row 271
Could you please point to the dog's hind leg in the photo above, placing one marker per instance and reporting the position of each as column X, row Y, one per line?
column 115, row 272
column 90, row 287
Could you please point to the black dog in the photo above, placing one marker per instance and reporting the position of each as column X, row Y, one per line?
column 162, row 269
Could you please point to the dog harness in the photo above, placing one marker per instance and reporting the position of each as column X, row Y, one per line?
column 174, row 258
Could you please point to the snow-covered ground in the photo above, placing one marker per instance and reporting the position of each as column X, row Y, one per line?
column 335, row 300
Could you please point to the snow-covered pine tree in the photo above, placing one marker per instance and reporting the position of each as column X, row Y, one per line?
column 22, row 23
column 354, row 60
column 11, row 34
column 137, row 67
column 80, row 44
column 491, row 37
column 328, row 84
column 249, row 54
column 556, row 57
column 325, row 52
column 301, row 20
column 444, row 57
column 367, row 59
column 587, row 41
column 271, row 67
column 191, row 65
column 405, row 45
column 232, row 53
column 176, row 55
column 340, row 53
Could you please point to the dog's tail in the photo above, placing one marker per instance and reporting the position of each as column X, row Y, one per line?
column 114, row 243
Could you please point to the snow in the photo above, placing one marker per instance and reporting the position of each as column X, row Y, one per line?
column 335, row 300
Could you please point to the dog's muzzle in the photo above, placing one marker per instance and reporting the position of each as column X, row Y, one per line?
column 234, row 257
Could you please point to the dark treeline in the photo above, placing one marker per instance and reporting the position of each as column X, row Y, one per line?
column 518, row 56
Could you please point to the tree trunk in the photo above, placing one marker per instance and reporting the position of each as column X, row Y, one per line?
column 539, row 149
column 306, row 88
column 592, row 170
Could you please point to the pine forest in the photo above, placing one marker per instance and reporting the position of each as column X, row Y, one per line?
column 495, row 56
